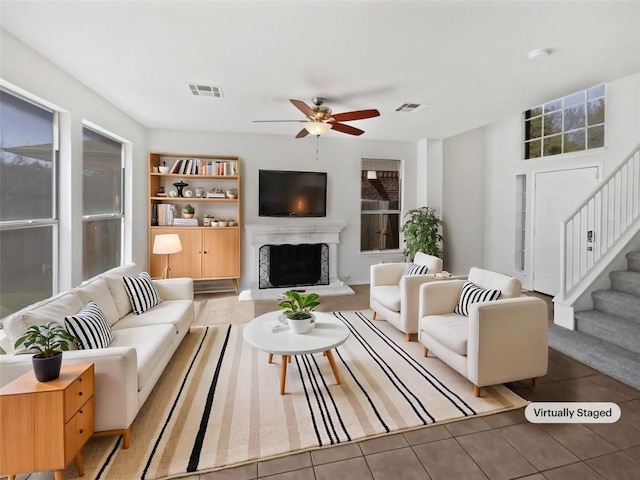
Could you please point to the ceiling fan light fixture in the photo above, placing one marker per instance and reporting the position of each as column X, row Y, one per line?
column 317, row 128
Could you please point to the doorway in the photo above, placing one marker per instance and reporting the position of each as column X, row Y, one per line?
column 556, row 195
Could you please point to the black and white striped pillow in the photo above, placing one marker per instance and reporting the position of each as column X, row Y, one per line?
column 415, row 269
column 141, row 292
column 471, row 293
column 90, row 327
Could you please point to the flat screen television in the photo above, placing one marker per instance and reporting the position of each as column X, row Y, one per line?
column 283, row 193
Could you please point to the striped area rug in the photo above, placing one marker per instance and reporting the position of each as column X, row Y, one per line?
column 218, row 404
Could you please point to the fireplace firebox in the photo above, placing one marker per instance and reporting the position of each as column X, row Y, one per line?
column 293, row 265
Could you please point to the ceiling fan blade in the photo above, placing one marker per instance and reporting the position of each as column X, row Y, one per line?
column 302, row 133
column 303, row 107
column 341, row 127
column 279, row 121
column 356, row 115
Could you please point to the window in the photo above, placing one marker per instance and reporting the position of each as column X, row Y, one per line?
column 28, row 211
column 521, row 221
column 380, row 205
column 102, row 208
column 570, row 124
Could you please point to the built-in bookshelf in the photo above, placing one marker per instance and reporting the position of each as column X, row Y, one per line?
column 211, row 185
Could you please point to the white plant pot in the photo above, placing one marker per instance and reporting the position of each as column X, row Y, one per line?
column 299, row 326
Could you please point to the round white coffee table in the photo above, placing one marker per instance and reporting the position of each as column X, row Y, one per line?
column 328, row 333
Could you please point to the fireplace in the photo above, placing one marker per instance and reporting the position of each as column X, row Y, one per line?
column 293, row 265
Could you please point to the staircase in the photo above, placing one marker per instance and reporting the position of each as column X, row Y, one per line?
column 607, row 338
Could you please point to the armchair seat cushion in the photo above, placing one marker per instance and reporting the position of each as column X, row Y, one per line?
column 450, row 330
column 388, row 296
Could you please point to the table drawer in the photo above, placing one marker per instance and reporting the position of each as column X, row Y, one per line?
column 78, row 430
column 76, row 394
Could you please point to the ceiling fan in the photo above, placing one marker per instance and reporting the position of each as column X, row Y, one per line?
column 320, row 119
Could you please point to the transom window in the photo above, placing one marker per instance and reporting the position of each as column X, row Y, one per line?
column 570, row 124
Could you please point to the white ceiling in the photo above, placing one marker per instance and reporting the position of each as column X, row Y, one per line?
column 467, row 60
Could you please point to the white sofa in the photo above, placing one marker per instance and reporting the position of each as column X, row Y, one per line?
column 127, row 370
column 394, row 296
column 500, row 341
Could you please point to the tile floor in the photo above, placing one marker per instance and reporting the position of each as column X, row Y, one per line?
column 497, row 447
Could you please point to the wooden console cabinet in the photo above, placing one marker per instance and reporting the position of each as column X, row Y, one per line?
column 43, row 425
column 208, row 253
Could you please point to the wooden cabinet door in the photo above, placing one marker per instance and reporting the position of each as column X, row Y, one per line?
column 221, row 252
column 188, row 262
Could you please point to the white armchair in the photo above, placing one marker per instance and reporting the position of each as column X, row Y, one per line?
column 395, row 296
column 500, row 341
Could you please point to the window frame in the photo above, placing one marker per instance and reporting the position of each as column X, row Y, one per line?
column 121, row 214
column 381, row 212
column 54, row 221
column 563, row 107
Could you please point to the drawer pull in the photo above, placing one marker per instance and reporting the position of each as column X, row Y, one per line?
column 80, row 379
column 81, row 431
column 80, row 393
column 80, row 411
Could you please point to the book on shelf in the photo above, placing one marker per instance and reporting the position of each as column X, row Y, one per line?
column 166, row 213
column 215, row 195
column 185, row 222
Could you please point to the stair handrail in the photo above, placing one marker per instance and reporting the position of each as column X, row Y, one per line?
column 591, row 198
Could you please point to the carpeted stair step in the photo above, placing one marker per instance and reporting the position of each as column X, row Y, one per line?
column 626, row 281
column 603, row 356
column 633, row 261
column 616, row 303
column 619, row 331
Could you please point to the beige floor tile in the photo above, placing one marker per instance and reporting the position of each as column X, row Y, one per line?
column 334, row 454
column 284, row 464
column 575, row 471
column 401, row 464
column 244, row 472
column 578, row 439
column 427, row 434
column 352, row 469
column 616, row 466
column 447, row 460
column 382, row 444
column 465, row 427
column 302, row 474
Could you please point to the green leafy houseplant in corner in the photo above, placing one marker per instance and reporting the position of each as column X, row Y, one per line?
column 298, row 310
column 421, row 232
column 48, row 341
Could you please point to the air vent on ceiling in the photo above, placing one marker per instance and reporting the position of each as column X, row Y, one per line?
column 205, row 90
column 410, row 107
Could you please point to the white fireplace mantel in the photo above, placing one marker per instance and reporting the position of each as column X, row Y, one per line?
column 295, row 234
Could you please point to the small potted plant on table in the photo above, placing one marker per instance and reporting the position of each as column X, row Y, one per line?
column 298, row 310
column 49, row 341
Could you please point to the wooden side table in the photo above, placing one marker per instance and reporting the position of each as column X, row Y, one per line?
column 44, row 425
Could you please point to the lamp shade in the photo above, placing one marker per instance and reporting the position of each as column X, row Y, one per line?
column 167, row 243
column 317, row 128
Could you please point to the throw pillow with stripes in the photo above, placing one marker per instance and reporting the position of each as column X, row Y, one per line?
column 471, row 293
column 414, row 269
column 141, row 292
column 90, row 327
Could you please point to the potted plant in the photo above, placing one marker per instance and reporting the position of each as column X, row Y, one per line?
column 49, row 341
column 188, row 211
column 298, row 310
column 421, row 232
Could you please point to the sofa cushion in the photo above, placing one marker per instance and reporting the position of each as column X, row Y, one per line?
column 51, row 310
column 151, row 344
column 413, row 269
column 449, row 330
column 434, row 263
column 90, row 327
column 388, row 296
column 471, row 293
column 176, row 312
column 142, row 292
column 119, row 294
column 509, row 286
column 97, row 291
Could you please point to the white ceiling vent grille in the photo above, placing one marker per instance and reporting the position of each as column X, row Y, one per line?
column 205, row 90
column 410, row 107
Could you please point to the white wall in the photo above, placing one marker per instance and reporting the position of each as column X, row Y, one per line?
column 499, row 147
column 340, row 157
column 463, row 198
column 36, row 77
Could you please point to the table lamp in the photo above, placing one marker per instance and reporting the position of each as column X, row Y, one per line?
column 166, row 244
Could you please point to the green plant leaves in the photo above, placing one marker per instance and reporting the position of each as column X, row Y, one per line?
column 299, row 306
column 47, row 340
column 421, row 232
